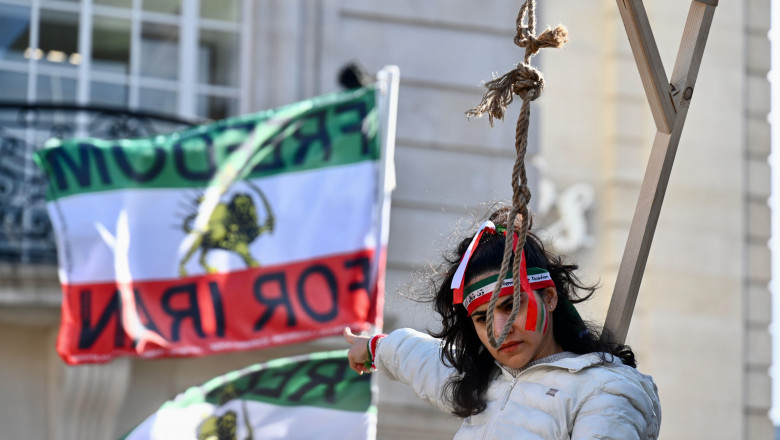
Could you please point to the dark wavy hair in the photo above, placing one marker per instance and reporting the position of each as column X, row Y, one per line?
column 463, row 349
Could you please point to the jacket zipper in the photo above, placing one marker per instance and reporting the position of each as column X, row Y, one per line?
column 506, row 397
column 505, row 400
column 497, row 411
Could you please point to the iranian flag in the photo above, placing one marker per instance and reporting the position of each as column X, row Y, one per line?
column 315, row 396
column 251, row 232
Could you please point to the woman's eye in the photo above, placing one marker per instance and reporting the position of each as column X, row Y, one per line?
column 507, row 306
column 479, row 320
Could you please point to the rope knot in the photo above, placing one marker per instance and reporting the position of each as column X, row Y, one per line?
column 554, row 38
column 528, row 83
column 523, row 81
column 529, row 42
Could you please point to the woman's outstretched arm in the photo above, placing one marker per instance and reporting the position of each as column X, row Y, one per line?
column 407, row 356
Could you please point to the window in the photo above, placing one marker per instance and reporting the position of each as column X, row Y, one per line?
column 167, row 56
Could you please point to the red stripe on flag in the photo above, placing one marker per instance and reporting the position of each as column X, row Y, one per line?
column 224, row 312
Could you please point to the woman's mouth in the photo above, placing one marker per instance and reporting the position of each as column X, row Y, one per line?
column 509, row 346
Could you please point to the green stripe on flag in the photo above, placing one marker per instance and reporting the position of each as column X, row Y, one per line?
column 331, row 130
column 309, row 396
column 320, row 380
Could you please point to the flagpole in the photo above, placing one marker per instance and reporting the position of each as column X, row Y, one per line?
column 387, row 90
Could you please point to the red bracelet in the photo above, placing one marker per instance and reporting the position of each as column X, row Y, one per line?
column 371, row 348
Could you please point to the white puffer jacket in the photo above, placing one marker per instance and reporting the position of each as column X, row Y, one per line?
column 573, row 398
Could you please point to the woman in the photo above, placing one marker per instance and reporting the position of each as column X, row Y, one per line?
column 553, row 376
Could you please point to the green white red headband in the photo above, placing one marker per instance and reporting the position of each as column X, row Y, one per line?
column 479, row 293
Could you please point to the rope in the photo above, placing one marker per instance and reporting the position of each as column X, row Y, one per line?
column 526, row 82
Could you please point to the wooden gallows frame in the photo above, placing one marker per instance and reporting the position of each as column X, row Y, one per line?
column 669, row 101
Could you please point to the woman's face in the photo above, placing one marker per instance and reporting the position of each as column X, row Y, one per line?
column 521, row 346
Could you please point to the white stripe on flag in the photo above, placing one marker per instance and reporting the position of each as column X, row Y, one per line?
column 269, row 422
column 318, row 213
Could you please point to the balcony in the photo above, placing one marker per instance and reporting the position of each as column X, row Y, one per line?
column 28, row 253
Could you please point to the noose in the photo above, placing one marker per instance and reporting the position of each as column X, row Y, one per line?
column 526, row 82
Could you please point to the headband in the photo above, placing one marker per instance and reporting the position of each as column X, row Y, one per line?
column 531, row 278
column 479, row 293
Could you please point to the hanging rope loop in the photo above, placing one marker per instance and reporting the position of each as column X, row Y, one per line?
column 526, row 82
column 524, row 195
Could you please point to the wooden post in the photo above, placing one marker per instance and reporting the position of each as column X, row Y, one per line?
column 669, row 102
column 648, row 61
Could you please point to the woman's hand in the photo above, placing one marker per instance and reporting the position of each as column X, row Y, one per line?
column 358, row 353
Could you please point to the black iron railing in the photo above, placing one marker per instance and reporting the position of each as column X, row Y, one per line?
column 26, row 234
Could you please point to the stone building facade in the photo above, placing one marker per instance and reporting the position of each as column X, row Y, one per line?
column 701, row 322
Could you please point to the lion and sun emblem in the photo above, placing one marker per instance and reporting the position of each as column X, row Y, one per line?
column 232, row 226
column 225, row 426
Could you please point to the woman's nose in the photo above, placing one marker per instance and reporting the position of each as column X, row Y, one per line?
column 500, row 318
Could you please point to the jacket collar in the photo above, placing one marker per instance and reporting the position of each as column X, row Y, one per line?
column 567, row 361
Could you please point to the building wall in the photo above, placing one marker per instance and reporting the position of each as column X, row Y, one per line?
column 700, row 325
column 756, row 297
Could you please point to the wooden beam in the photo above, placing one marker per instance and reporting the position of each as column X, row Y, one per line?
column 689, row 56
column 640, row 236
column 648, row 61
column 659, row 168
